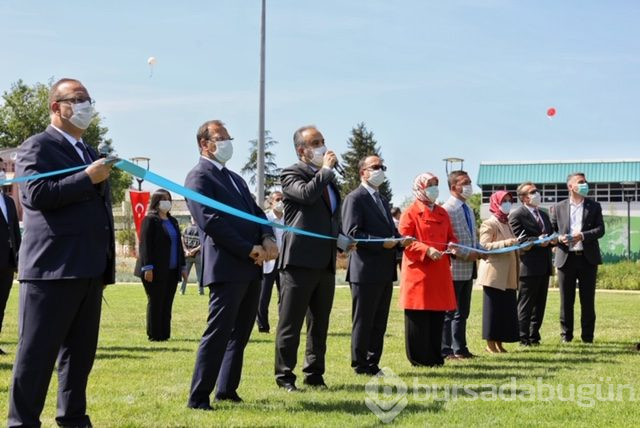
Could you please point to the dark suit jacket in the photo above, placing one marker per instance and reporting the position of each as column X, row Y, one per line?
column 226, row 240
column 362, row 219
column 592, row 229
column 9, row 235
column 306, row 208
column 536, row 260
column 155, row 248
column 68, row 224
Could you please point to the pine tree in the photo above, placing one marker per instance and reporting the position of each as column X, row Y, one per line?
column 271, row 170
column 360, row 144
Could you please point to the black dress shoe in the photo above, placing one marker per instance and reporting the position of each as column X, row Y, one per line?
column 201, row 407
column 289, row 387
column 315, row 381
column 464, row 355
column 232, row 396
column 566, row 340
column 2, row 352
column 534, row 343
column 263, row 330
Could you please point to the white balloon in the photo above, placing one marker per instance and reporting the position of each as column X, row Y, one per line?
column 152, row 60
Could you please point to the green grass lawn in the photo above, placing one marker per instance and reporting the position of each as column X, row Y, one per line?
column 136, row 383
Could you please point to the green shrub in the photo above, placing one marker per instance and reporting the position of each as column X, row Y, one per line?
column 623, row 275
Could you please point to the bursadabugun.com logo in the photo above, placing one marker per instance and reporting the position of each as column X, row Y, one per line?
column 386, row 396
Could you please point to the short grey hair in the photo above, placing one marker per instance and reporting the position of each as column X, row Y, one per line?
column 298, row 139
column 573, row 174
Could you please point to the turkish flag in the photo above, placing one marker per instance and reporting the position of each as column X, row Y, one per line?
column 139, row 203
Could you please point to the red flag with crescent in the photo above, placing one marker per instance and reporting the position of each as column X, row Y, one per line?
column 139, row 203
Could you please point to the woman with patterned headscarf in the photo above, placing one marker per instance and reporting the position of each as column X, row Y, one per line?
column 498, row 275
column 426, row 284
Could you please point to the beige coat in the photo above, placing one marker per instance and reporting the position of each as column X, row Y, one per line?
column 498, row 270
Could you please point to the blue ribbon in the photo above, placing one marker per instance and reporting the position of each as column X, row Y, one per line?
column 510, row 248
column 165, row 183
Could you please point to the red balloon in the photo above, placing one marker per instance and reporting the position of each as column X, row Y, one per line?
column 551, row 112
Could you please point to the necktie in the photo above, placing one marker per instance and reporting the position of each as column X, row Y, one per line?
column 467, row 217
column 85, row 152
column 539, row 219
column 376, row 197
column 229, row 178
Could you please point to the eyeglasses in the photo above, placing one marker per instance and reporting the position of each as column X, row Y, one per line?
column 218, row 139
column 76, row 100
column 377, row 167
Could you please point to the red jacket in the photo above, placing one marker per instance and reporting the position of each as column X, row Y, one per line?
column 426, row 284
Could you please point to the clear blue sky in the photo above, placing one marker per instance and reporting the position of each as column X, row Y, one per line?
column 431, row 79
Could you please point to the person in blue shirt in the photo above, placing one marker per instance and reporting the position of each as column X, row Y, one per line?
column 160, row 263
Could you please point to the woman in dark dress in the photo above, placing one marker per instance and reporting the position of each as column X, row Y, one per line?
column 160, row 264
column 498, row 275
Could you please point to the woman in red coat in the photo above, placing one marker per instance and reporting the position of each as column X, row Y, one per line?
column 426, row 285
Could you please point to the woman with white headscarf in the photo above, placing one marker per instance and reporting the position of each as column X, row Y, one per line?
column 426, row 284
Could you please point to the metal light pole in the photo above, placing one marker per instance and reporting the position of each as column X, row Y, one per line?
column 448, row 164
column 260, row 154
column 628, row 199
column 143, row 162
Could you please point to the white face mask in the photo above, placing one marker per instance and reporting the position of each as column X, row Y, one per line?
column 278, row 206
column 224, row 151
column 376, row 177
column 82, row 115
column 505, row 207
column 534, row 200
column 318, row 156
column 164, row 206
column 432, row 193
column 467, row 191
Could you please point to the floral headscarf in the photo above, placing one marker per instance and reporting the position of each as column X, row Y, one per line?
column 419, row 184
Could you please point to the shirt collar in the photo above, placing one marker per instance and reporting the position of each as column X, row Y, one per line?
column 68, row 137
column 455, row 202
column 367, row 186
column 215, row 162
column 578, row 205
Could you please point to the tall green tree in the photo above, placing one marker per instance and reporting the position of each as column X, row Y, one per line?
column 271, row 170
column 360, row 144
column 25, row 112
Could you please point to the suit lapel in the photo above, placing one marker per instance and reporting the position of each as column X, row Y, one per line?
column 65, row 145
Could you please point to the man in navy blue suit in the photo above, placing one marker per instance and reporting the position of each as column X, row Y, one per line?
column 233, row 250
column 66, row 259
column 372, row 265
column 9, row 244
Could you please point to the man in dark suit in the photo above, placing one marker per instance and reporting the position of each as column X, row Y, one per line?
column 529, row 224
column 9, row 245
column 66, row 259
column 233, row 250
column 579, row 222
column 307, row 265
column 372, row 265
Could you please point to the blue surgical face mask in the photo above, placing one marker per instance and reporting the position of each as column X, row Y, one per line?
column 505, row 207
column 582, row 189
column 432, row 193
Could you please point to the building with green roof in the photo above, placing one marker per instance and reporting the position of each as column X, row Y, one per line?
column 613, row 183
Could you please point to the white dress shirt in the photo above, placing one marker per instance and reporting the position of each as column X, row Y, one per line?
column 575, row 222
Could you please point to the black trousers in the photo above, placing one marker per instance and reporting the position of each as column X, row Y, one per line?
column 160, row 294
column 57, row 319
column 232, row 312
column 423, row 337
column 577, row 270
column 532, row 301
column 369, row 314
column 266, row 290
column 303, row 293
column 6, row 281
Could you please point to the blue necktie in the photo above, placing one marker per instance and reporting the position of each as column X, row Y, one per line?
column 467, row 216
column 85, row 152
